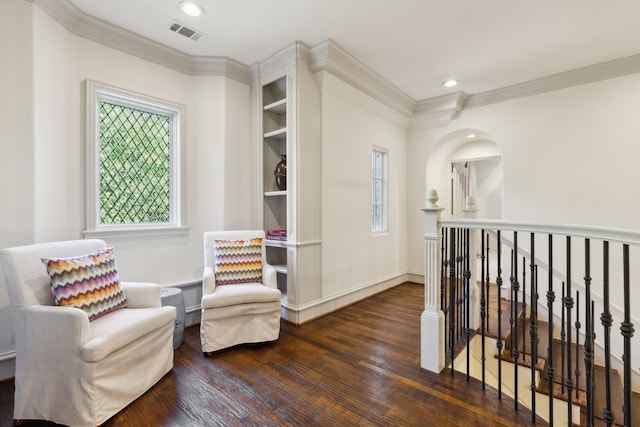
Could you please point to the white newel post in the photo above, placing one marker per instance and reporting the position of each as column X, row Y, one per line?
column 432, row 319
column 470, row 212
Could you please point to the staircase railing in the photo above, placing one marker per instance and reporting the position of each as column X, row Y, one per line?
column 468, row 294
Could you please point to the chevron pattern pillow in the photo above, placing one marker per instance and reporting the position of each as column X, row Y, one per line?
column 238, row 261
column 89, row 282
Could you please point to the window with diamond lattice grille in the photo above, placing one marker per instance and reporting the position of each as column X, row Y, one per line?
column 134, row 166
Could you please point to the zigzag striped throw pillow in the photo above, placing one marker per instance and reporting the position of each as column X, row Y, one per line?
column 89, row 282
column 238, row 261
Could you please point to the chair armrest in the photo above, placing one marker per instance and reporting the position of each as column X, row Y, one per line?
column 269, row 276
column 142, row 295
column 208, row 281
column 43, row 332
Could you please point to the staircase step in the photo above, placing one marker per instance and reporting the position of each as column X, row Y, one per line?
column 561, row 393
column 557, row 364
column 523, row 336
column 524, row 360
column 491, row 327
column 617, row 397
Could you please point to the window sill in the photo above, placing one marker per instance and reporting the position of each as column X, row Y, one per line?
column 148, row 231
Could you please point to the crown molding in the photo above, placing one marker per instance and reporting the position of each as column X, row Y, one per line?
column 438, row 111
column 284, row 61
column 593, row 73
column 328, row 56
column 90, row 28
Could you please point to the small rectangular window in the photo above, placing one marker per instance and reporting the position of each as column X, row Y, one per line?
column 379, row 190
column 133, row 161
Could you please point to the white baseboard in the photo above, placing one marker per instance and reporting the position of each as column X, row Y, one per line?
column 415, row 277
column 310, row 311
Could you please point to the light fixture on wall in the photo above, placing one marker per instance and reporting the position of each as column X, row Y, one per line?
column 450, row 83
column 191, row 9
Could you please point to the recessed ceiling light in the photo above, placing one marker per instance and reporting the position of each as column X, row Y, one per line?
column 191, row 9
column 450, row 83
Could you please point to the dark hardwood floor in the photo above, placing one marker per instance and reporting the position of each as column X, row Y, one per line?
column 359, row 366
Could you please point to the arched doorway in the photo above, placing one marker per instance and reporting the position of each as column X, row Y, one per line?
column 466, row 166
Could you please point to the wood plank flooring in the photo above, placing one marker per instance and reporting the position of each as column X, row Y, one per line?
column 359, row 366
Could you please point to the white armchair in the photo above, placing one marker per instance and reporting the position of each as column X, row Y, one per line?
column 72, row 371
column 237, row 313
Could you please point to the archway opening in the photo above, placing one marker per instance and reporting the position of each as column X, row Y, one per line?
column 467, row 173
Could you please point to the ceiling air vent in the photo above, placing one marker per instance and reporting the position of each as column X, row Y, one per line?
column 181, row 29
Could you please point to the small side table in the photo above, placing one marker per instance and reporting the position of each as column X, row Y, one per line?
column 173, row 297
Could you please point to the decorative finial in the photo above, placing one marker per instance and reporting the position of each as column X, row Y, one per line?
column 432, row 198
column 471, row 202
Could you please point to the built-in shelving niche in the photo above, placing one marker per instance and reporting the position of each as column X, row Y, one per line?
column 274, row 131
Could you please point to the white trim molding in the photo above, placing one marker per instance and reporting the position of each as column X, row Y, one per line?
column 96, row 30
column 328, row 56
column 593, row 73
column 325, row 56
column 95, row 93
column 299, row 314
column 438, row 111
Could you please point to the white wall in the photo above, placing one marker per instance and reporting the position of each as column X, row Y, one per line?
column 17, row 207
column 352, row 124
column 42, row 158
column 568, row 156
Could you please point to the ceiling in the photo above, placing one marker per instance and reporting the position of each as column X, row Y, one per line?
column 413, row 44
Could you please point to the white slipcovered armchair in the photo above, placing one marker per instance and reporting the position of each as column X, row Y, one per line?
column 237, row 313
column 72, row 371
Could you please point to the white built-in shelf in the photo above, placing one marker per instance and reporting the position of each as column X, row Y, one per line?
column 280, row 268
column 275, row 243
column 275, row 193
column 279, row 106
column 277, row 134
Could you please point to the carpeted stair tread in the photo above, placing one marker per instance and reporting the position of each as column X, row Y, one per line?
column 617, row 397
column 557, row 364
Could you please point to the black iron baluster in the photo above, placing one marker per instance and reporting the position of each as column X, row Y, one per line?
column 588, row 343
column 452, row 279
column 626, row 328
column 550, row 299
column 467, row 276
column 459, row 284
column 592, row 382
column 488, row 311
column 443, row 279
column 607, row 322
column 532, row 326
column 483, row 304
column 577, row 325
column 499, row 289
column 514, row 344
column 563, row 335
column 523, row 310
column 536, row 340
column 569, row 305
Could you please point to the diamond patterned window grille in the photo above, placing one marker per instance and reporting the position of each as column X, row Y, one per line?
column 135, row 165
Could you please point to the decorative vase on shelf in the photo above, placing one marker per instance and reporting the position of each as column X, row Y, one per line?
column 281, row 173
